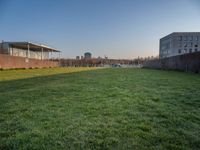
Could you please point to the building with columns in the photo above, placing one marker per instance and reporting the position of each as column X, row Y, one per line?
column 28, row 50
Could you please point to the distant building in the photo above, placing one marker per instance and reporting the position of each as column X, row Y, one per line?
column 27, row 49
column 87, row 55
column 77, row 57
column 179, row 43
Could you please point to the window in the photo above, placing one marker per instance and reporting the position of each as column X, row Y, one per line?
column 190, row 50
column 191, row 44
column 196, row 45
column 190, row 38
column 180, row 38
column 185, row 38
column 196, row 38
column 163, row 47
column 196, row 50
column 179, row 51
column 185, row 50
column 185, row 44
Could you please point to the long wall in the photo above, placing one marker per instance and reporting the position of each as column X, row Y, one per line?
column 186, row 62
column 8, row 62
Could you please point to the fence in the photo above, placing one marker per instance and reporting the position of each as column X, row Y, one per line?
column 186, row 62
column 9, row 62
column 97, row 62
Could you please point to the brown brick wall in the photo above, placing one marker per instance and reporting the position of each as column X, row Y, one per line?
column 186, row 62
column 8, row 62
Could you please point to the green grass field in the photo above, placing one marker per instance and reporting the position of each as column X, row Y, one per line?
column 89, row 108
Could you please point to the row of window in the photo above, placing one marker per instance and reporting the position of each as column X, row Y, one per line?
column 188, row 44
column 188, row 38
column 187, row 50
column 180, row 51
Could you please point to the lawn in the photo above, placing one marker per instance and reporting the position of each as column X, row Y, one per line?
column 89, row 108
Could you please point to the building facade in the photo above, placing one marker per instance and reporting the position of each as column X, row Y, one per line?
column 27, row 49
column 179, row 43
column 87, row 55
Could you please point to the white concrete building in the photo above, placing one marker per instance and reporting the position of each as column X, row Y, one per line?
column 27, row 49
column 179, row 43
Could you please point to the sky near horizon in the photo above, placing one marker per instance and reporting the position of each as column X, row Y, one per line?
column 115, row 28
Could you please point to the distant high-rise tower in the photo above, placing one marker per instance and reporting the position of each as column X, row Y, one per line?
column 87, row 55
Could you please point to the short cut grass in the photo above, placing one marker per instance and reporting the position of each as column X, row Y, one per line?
column 121, row 108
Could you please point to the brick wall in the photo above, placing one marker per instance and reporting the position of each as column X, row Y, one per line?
column 186, row 62
column 8, row 62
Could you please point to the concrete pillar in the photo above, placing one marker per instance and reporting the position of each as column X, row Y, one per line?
column 51, row 54
column 18, row 52
column 59, row 59
column 10, row 52
column 42, row 54
column 48, row 55
column 28, row 51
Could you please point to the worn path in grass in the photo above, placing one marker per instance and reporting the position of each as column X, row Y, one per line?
column 100, row 109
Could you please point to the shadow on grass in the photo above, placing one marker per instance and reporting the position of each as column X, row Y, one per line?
column 29, row 73
column 36, row 81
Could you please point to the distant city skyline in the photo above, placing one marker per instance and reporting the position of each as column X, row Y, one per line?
column 115, row 28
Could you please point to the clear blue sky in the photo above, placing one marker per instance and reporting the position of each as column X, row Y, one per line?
column 116, row 28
